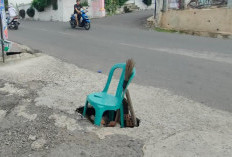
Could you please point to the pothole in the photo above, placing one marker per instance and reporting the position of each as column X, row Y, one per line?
column 90, row 115
column 12, row 53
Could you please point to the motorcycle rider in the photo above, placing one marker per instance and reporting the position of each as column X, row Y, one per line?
column 77, row 11
column 12, row 13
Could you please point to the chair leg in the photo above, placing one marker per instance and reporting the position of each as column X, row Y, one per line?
column 122, row 116
column 98, row 117
column 85, row 108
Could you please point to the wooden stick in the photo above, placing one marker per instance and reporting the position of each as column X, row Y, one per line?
column 131, row 109
column 117, row 116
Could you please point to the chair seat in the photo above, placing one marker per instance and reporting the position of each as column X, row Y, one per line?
column 102, row 99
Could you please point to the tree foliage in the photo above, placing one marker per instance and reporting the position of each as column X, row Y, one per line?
column 31, row 12
column 40, row 5
column 147, row 2
column 112, row 5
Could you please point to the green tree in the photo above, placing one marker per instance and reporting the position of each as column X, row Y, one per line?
column 147, row 2
column 40, row 5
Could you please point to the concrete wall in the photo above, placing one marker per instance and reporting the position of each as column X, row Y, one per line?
column 18, row 2
column 218, row 20
column 67, row 9
column 48, row 15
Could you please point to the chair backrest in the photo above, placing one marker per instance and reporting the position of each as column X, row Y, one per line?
column 120, row 92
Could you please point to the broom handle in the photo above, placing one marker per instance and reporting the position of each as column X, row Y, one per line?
column 131, row 107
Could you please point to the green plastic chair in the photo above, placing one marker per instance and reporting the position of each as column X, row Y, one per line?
column 106, row 102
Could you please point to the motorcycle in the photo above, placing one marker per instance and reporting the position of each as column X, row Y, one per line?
column 14, row 23
column 84, row 21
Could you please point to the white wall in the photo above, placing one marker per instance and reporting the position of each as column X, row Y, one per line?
column 14, row 2
column 48, row 15
column 67, row 10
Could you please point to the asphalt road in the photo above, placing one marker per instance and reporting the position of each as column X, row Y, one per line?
column 198, row 68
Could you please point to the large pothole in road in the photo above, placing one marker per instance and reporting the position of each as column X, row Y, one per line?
column 19, row 52
column 13, row 53
column 90, row 115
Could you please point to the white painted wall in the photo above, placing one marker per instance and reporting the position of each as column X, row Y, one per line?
column 68, row 8
column 18, row 2
column 65, row 9
column 48, row 15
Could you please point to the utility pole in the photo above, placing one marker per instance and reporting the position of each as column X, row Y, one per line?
column 165, row 8
column 2, row 10
column 2, row 40
column 155, row 9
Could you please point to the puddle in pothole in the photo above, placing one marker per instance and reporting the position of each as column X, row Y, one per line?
column 90, row 113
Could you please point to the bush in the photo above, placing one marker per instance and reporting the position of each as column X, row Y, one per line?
column 31, row 12
column 22, row 13
column 85, row 4
column 147, row 2
column 122, row 2
column 54, row 5
column 40, row 5
column 112, row 5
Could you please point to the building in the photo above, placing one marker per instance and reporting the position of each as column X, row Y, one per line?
column 64, row 11
column 96, row 9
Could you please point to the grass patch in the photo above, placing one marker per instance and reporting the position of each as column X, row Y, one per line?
column 165, row 30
